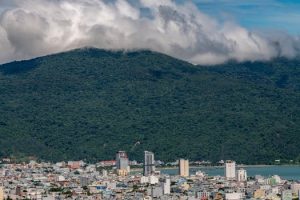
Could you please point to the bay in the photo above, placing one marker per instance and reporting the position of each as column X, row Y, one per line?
column 285, row 172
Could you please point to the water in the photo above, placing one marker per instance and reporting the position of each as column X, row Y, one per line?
column 285, row 172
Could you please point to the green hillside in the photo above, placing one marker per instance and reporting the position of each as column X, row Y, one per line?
column 89, row 103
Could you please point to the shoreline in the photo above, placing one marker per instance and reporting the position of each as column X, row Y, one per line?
column 213, row 167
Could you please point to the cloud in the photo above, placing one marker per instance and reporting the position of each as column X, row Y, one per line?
column 32, row 28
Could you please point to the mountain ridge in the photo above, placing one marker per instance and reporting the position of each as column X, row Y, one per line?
column 89, row 103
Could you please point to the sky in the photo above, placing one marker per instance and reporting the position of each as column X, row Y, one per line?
column 280, row 15
column 204, row 32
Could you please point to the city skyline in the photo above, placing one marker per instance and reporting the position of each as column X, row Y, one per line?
column 79, row 180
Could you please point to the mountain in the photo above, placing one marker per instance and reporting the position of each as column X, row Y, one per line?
column 90, row 103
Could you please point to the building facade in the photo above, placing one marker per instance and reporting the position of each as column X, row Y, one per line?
column 167, row 186
column 122, row 160
column 230, row 172
column 184, row 168
column 242, row 175
column 1, row 193
column 149, row 163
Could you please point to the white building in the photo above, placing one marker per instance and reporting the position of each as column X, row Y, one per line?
column 266, row 187
column 277, row 179
column 230, row 172
column 167, row 186
column 153, row 180
column 233, row 196
column 295, row 187
column 144, row 179
column 275, row 190
column 104, row 173
column 286, row 195
column 60, row 178
column 242, row 175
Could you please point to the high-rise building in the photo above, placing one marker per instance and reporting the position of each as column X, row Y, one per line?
column 122, row 160
column 1, row 193
column 166, row 185
column 242, row 175
column 149, row 163
column 230, row 172
column 184, row 168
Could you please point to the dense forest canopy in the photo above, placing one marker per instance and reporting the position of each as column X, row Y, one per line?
column 90, row 103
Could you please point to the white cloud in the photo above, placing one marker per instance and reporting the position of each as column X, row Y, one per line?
column 34, row 28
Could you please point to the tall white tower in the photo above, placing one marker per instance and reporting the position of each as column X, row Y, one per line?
column 167, row 186
column 230, row 172
column 242, row 175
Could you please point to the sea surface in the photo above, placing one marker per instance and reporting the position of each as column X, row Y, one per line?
column 285, row 172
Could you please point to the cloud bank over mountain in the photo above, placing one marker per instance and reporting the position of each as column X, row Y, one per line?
column 30, row 28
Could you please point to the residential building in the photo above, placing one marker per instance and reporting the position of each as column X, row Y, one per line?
column 166, row 185
column 242, row 175
column 122, row 161
column 149, row 163
column 233, row 196
column 230, row 172
column 84, row 181
column 295, row 187
column 184, row 168
column 122, row 172
column 1, row 193
column 286, row 195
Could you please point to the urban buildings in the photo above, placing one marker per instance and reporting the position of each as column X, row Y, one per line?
column 57, row 181
column 167, row 186
column 230, row 172
column 122, row 160
column 233, row 196
column 287, row 195
column 184, row 169
column 242, row 175
column 122, row 163
column 1, row 193
column 295, row 187
column 149, row 163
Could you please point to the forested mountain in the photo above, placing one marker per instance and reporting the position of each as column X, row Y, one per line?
column 90, row 103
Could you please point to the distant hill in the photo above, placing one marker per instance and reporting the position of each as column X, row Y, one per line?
column 90, row 103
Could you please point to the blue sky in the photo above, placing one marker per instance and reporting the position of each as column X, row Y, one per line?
column 283, row 15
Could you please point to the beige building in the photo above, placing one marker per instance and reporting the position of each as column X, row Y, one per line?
column 122, row 172
column 259, row 194
column 230, row 172
column 184, row 168
column 1, row 193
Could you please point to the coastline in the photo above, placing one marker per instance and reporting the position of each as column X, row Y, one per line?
column 213, row 167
